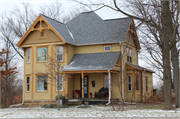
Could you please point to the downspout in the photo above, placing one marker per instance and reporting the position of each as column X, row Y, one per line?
column 109, row 76
column 122, row 70
column 23, row 90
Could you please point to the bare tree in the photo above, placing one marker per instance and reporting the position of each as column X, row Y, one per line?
column 19, row 20
column 157, row 18
column 53, row 72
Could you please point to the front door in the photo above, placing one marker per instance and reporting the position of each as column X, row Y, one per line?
column 85, row 86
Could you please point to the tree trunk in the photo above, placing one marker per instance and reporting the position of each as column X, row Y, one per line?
column 175, row 64
column 166, row 55
column 58, row 94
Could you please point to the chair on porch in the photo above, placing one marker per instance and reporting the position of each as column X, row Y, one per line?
column 76, row 94
column 103, row 93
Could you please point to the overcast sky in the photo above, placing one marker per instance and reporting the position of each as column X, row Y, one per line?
column 105, row 13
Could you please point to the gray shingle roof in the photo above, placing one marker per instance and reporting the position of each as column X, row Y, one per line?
column 61, row 29
column 92, row 61
column 89, row 28
column 140, row 68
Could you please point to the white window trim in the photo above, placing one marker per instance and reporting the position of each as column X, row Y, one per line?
column 60, row 53
column 59, row 82
column 138, row 82
column 146, row 84
column 129, row 53
column 129, row 83
column 27, row 83
column 29, row 59
column 43, row 82
column 107, row 46
column 46, row 54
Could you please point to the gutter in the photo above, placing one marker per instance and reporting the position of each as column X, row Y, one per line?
column 122, row 69
column 109, row 75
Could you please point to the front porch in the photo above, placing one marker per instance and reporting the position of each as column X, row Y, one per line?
column 93, row 84
column 90, row 72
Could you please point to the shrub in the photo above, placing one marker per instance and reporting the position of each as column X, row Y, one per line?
column 84, row 106
column 54, row 106
column 60, row 97
column 85, row 99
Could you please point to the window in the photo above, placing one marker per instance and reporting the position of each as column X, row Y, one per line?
column 42, row 34
column 129, row 58
column 41, row 83
column 137, row 83
column 60, row 83
column 59, row 52
column 107, row 48
column 42, row 54
column 129, row 83
column 28, row 55
column 106, row 81
column 28, row 83
column 146, row 84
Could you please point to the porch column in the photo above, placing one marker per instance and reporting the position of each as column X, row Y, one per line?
column 109, row 76
column 82, row 84
column 64, row 78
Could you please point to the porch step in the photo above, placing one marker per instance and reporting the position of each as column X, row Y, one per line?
column 74, row 100
column 73, row 103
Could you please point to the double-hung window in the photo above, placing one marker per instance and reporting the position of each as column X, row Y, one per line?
column 129, row 83
column 107, row 48
column 28, row 55
column 106, row 81
column 59, row 53
column 129, row 58
column 137, row 83
column 41, row 83
column 146, row 84
column 42, row 54
column 60, row 86
column 28, row 83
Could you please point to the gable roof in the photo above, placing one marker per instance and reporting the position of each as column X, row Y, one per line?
column 61, row 29
column 92, row 61
column 88, row 28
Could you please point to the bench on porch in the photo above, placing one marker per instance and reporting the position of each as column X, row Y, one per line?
column 103, row 93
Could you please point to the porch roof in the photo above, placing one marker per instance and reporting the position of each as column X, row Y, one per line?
column 138, row 67
column 92, row 61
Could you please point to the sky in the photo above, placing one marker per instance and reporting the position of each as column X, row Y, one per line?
column 105, row 13
column 6, row 5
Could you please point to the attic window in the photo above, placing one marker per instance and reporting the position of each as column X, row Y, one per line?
column 107, row 48
column 42, row 34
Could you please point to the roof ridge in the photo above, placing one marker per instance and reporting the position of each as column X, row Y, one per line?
column 84, row 13
column 117, row 18
column 52, row 18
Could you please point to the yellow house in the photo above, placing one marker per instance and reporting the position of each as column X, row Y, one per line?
column 104, row 53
